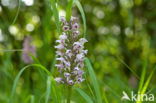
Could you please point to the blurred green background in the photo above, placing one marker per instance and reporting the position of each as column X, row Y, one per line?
column 121, row 35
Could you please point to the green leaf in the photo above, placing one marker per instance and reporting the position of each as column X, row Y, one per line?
column 56, row 15
column 78, row 4
column 89, row 86
column 146, row 85
column 27, row 99
column 93, row 80
column 53, row 65
column 84, row 95
column 69, row 10
column 34, row 59
column 142, row 76
column 48, row 89
column 32, row 100
column 55, row 92
column 20, row 73
column 147, row 82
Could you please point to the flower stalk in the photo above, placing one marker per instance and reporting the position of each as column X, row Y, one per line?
column 69, row 94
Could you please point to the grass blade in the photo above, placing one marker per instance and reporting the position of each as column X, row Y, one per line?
column 146, row 85
column 55, row 92
column 20, row 73
column 36, row 61
column 27, row 99
column 53, row 65
column 93, row 80
column 78, row 4
column 142, row 77
column 32, row 100
column 15, row 18
column 147, row 82
column 84, row 95
column 135, row 74
column 105, row 98
column 89, row 86
column 11, row 50
column 69, row 10
column 48, row 89
column 56, row 15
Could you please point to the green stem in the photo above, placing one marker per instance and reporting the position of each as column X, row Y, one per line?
column 69, row 94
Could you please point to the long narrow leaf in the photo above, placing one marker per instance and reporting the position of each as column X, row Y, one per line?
column 53, row 65
column 55, row 92
column 135, row 74
column 48, row 89
column 56, row 15
column 84, row 95
column 147, row 82
column 93, row 81
column 89, row 86
column 142, row 77
column 78, row 4
column 146, row 85
column 18, row 9
column 32, row 100
column 69, row 10
column 20, row 73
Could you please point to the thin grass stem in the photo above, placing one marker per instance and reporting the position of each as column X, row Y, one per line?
column 11, row 50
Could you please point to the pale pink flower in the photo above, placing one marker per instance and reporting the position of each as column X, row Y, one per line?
column 59, row 80
column 59, row 53
column 69, row 53
column 77, row 45
column 75, row 26
column 84, row 51
column 70, row 82
column 62, row 19
column 60, row 66
column 79, row 80
column 65, row 28
column 63, row 36
column 79, row 57
column 60, row 46
column 60, row 59
column 83, row 40
column 76, row 68
column 67, row 74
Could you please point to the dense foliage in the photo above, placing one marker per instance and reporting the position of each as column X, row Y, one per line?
column 121, row 47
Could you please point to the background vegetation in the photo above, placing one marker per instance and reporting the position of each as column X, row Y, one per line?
column 121, row 35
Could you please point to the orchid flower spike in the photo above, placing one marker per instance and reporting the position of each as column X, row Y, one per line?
column 70, row 53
